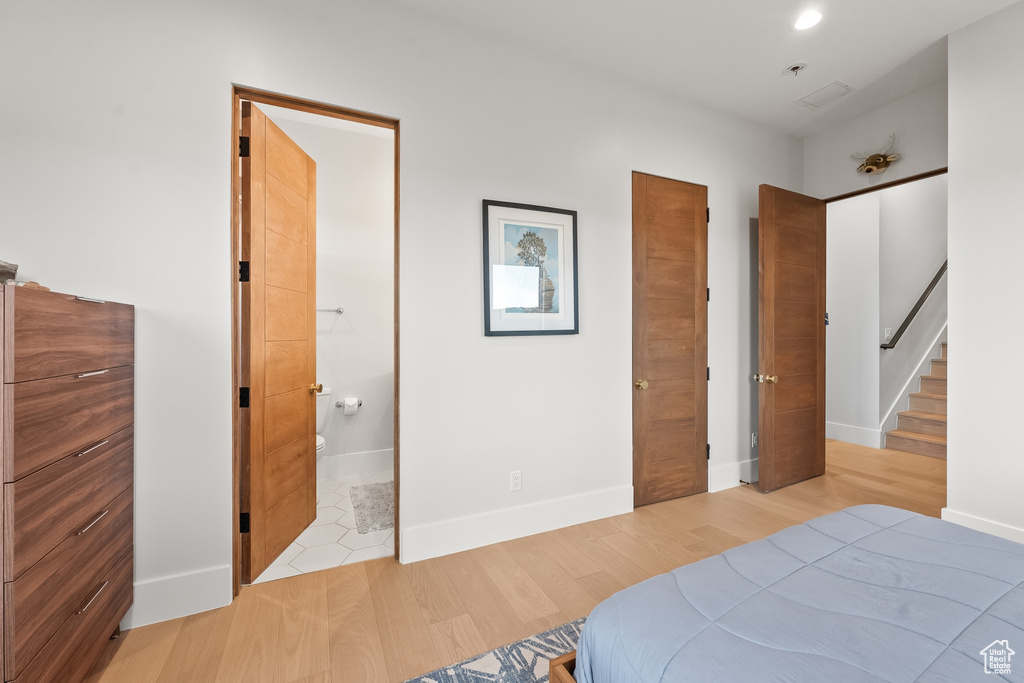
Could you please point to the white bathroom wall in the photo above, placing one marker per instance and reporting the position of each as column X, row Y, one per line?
column 986, row 239
column 851, row 346
column 114, row 183
column 355, row 271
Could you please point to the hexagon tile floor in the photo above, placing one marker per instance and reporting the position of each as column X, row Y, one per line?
column 332, row 539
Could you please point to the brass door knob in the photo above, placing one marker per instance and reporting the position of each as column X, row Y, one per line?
column 771, row 379
column 759, row 378
column 641, row 384
column 316, row 388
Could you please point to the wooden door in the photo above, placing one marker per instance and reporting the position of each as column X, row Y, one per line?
column 278, row 341
column 670, row 351
column 791, row 338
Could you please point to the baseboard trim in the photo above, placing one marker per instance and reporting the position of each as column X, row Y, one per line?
column 1011, row 533
column 465, row 533
column 170, row 597
column 722, row 477
column 862, row 436
column 343, row 464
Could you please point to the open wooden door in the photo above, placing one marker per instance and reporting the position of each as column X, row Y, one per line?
column 278, row 341
column 670, row 348
column 791, row 338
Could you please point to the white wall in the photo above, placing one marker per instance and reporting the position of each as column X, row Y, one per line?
column 883, row 250
column 919, row 121
column 355, row 271
column 114, row 183
column 866, row 386
column 902, row 366
column 986, row 240
column 912, row 245
column 851, row 345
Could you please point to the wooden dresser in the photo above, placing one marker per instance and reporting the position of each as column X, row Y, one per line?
column 67, row 454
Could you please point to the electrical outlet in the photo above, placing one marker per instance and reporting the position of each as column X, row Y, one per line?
column 515, row 480
column 753, row 439
column 888, row 333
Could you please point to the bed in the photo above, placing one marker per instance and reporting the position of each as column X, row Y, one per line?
column 871, row 593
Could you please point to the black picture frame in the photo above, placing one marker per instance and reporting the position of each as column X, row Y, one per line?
column 523, row 244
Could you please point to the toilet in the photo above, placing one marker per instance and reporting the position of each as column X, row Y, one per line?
column 323, row 406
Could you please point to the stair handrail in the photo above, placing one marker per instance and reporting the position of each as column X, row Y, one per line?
column 917, row 307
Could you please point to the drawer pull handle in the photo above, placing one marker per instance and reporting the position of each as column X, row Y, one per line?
column 93, row 301
column 92, row 374
column 90, row 449
column 92, row 523
column 81, row 610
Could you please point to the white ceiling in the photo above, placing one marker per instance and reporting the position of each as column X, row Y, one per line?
column 731, row 54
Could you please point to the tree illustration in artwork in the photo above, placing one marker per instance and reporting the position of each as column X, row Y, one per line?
column 532, row 251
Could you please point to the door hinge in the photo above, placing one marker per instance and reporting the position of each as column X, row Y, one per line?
column 243, row 146
column 709, row 208
column 707, row 448
column 243, row 271
column 709, row 294
column 709, row 374
column 243, row 397
column 243, row 523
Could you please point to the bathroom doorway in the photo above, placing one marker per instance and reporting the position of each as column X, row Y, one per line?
column 356, row 323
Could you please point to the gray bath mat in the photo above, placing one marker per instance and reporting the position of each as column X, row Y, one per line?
column 374, row 506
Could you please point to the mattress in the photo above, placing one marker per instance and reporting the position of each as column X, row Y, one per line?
column 871, row 593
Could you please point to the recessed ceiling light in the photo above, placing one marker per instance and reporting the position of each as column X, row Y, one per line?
column 807, row 20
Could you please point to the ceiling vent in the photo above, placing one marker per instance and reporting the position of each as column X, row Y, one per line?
column 823, row 97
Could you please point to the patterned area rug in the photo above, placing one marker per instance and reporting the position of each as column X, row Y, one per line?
column 374, row 506
column 522, row 662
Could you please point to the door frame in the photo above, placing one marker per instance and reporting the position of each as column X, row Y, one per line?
column 257, row 96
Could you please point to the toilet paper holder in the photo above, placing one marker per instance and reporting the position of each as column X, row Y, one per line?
column 341, row 404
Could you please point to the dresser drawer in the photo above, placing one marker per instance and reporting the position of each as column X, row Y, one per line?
column 48, row 419
column 55, row 334
column 70, row 653
column 47, row 595
column 50, row 504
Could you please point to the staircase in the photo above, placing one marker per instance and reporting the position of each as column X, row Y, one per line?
column 922, row 429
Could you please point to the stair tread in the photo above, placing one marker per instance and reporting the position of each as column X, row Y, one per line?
column 921, row 414
column 924, row 394
column 920, row 437
column 942, row 377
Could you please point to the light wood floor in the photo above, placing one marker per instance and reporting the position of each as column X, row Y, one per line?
column 382, row 621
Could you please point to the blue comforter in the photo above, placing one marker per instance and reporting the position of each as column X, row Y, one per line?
column 871, row 593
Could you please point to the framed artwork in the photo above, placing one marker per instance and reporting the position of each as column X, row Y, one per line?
column 530, row 283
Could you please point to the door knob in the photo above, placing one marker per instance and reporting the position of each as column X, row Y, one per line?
column 641, row 384
column 771, row 379
column 316, row 388
column 758, row 378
